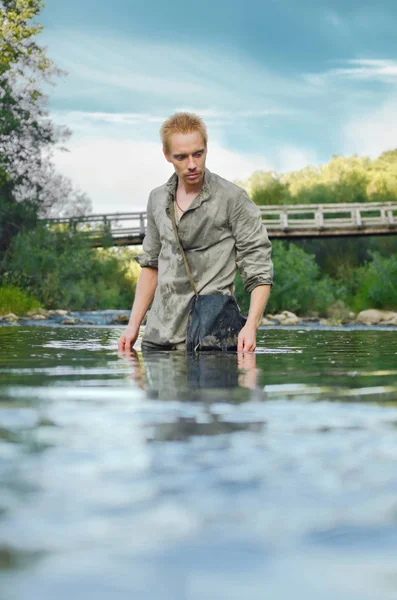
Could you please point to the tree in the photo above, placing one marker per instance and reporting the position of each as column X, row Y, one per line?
column 341, row 180
column 29, row 184
column 383, row 178
column 267, row 187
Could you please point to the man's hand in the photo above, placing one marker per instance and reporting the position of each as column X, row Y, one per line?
column 128, row 338
column 144, row 293
column 247, row 338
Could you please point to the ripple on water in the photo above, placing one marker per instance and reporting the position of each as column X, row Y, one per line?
column 268, row 475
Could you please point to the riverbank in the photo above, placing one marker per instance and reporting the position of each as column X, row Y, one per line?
column 67, row 317
column 367, row 318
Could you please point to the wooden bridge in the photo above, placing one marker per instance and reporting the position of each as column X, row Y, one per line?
column 282, row 222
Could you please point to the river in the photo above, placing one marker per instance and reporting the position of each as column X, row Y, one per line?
column 267, row 475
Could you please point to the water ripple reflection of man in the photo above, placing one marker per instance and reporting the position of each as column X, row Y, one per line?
column 207, row 380
column 219, row 227
column 228, row 377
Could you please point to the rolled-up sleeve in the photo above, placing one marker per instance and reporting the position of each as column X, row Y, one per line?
column 151, row 244
column 253, row 247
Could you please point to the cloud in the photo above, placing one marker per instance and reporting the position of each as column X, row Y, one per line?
column 290, row 158
column 116, row 158
column 372, row 132
column 118, row 94
column 119, row 174
column 113, row 118
column 81, row 119
column 127, row 75
column 366, row 70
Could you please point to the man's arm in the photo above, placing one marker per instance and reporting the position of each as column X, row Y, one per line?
column 247, row 336
column 144, row 294
column 253, row 258
column 147, row 281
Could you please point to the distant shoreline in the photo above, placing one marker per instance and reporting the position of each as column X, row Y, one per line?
column 118, row 317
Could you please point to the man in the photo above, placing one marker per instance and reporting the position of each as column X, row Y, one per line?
column 220, row 229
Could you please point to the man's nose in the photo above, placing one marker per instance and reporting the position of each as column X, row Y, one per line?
column 191, row 165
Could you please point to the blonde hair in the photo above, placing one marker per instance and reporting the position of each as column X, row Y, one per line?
column 182, row 122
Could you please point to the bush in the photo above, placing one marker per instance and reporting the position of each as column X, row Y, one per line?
column 298, row 286
column 376, row 284
column 14, row 300
column 62, row 270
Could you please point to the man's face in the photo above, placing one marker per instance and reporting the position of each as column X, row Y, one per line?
column 187, row 152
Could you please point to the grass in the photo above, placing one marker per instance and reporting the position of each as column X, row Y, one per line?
column 14, row 300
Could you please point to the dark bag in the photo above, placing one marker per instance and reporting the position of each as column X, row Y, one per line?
column 214, row 320
column 214, row 323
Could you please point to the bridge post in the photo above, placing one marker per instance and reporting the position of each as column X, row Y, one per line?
column 319, row 217
column 383, row 216
column 284, row 220
column 357, row 218
column 107, row 226
column 390, row 218
column 142, row 231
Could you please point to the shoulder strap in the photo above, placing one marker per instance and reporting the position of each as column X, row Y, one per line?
column 189, row 274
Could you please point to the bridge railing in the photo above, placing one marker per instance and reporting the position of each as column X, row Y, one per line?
column 299, row 220
column 115, row 224
column 329, row 216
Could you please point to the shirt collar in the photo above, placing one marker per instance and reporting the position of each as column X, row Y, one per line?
column 204, row 194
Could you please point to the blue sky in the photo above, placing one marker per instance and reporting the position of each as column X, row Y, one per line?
column 280, row 84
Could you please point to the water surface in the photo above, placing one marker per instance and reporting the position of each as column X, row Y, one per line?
column 154, row 476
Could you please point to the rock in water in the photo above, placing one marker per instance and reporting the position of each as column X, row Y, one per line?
column 58, row 313
column 10, row 318
column 120, row 319
column 37, row 311
column 287, row 318
column 374, row 316
column 265, row 321
column 70, row 321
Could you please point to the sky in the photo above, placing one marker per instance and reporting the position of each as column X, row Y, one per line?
column 280, row 84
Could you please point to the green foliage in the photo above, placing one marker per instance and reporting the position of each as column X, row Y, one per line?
column 62, row 270
column 266, row 187
column 336, row 255
column 14, row 217
column 14, row 300
column 298, row 285
column 16, row 27
column 376, row 284
column 341, row 180
column 302, row 287
column 311, row 275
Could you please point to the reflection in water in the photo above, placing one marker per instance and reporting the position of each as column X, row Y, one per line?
column 174, row 375
column 184, row 428
column 206, row 378
column 16, row 559
column 156, row 476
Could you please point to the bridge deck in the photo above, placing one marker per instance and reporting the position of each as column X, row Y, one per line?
column 282, row 222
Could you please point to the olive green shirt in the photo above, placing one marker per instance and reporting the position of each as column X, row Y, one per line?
column 221, row 232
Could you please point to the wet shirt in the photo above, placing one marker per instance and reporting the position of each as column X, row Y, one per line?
column 221, row 232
